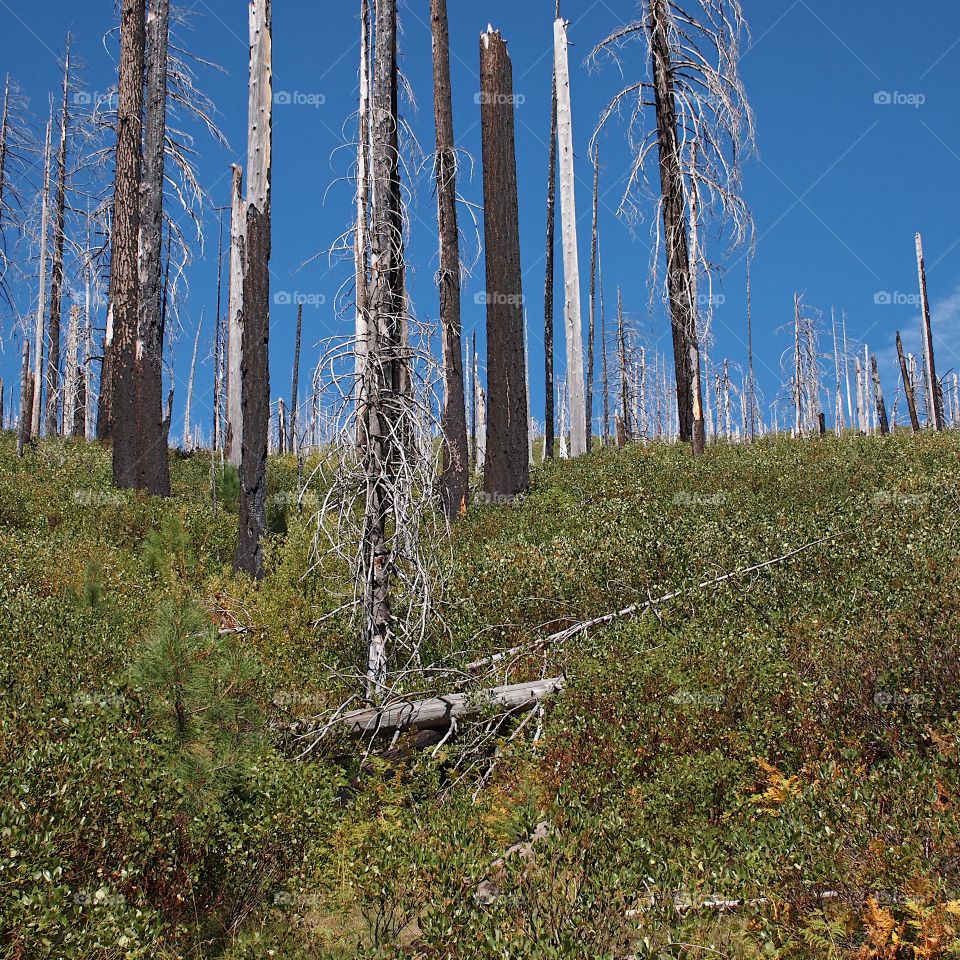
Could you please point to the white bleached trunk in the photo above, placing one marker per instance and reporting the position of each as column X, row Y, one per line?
column 187, row 444
column 571, row 265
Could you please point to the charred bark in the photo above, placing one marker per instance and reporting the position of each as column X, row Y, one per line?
column 908, row 387
column 153, row 471
column 255, row 335
column 26, row 401
column 124, row 283
column 878, row 397
column 454, row 483
column 506, row 470
column 52, row 425
column 674, row 217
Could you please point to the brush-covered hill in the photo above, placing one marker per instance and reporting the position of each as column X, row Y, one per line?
column 766, row 766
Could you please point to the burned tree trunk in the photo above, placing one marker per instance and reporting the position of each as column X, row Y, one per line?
column 454, row 483
column 571, row 262
column 382, row 385
column 908, row 387
column 878, row 397
column 506, row 470
column 591, row 329
column 674, row 214
column 934, row 399
column 52, row 426
column 71, row 374
column 234, row 415
column 218, row 349
column 255, row 336
column 295, row 384
column 625, row 434
column 124, row 280
column 604, row 367
column 153, row 471
column 751, row 383
column 361, row 242
column 42, row 295
column 549, row 413
column 674, row 220
column 26, row 401
column 80, row 408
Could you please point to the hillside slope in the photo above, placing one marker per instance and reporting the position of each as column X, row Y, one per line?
column 766, row 767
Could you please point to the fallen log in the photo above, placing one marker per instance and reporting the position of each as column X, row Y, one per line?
column 436, row 713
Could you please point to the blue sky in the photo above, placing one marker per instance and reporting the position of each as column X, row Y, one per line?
column 839, row 186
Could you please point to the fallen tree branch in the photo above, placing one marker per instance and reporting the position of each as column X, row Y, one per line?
column 636, row 609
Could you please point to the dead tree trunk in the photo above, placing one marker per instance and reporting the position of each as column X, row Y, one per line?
column 604, row 368
column 934, row 400
column 361, row 241
column 4, row 146
column 382, row 385
column 153, row 471
column 71, row 373
column 80, row 408
column 908, row 387
column 105, row 400
column 593, row 294
column 624, row 375
column 838, row 407
column 52, row 425
column 124, row 281
column 218, row 349
column 42, row 296
column 674, row 217
column 549, row 412
column 571, row 262
column 187, row 429
column 255, row 337
column 751, row 383
column 506, row 471
column 472, row 372
column 454, row 483
column 295, row 384
column 878, row 397
column 797, row 370
column 26, row 401
column 234, row 414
